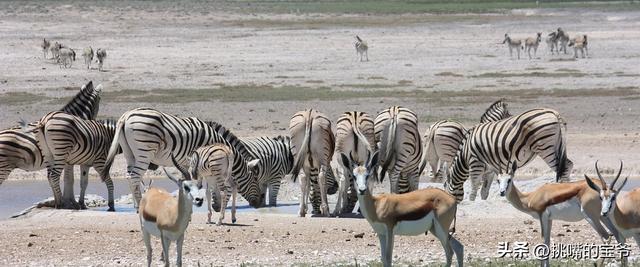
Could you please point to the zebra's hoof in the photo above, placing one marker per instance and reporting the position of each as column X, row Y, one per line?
column 111, row 209
column 233, row 220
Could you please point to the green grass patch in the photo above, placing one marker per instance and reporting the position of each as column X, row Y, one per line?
column 449, row 74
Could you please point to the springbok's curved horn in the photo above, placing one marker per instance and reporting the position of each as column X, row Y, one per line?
column 184, row 172
column 604, row 184
column 617, row 176
column 171, row 177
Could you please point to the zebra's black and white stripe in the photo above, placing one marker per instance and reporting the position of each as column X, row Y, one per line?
column 276, row 161
column 400, row 146
column 312, row 146
column 20, row 149
column 490, row 147
column 69, row 140
column 354, row 137
column 443, row 139
column 362, row 49
column 148, row 136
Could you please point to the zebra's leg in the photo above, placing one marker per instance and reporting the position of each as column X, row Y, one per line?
column 4, row 173
column 68, row 196
column 53, row 176
column 304, row 193
column 487, row 181
column 314, row 198
column 510, row 52
column 222, row 192
column 273, row 193
column 135, row 171
column 342, row 192
column 475, row 175
column 586, row 49
column 529, row 51
column 366, row 52
column 209, row 205
column 234, row 194
column 352, row 198
column 84, row 181
column 322, row 182
column 106, row 179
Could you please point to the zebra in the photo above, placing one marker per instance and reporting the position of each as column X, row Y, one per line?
column 149, row 138
column 66, row 57
column 69, row 140
column 45, row 47
column 354, row 137
column 490, row 146
column 101, row 54
column 563, row 38
column 21, row 150
column 312, row 146
column 276, row 161
column 362, row 49
column 400, row 146
column 214, row 163
column 443, row 139
column 87, row 54
column 552, row 42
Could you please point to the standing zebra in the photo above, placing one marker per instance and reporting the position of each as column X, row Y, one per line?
column 362, row 49
column 45, row 47
column 396, row 131
column 443, row 139
column 69, row 140
column 490, row 146
column 312, row 146
column 354, row 137
column 20, row 149
column 276, row 161
column 563, row 38
column 149, row 137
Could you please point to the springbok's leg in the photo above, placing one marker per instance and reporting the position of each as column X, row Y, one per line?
column 179, row 243
column 529, row 51
column 209, row 206
column 322, row 183
column 593, row 218
column 84, row 181
column 443, row 236
column 458, row 249
column 388, row 257
column 586, row 49
column 166, row 243
column 510, row 51
column 545, row 225
column 383, row 246
column 147, row 243
column 535, row 51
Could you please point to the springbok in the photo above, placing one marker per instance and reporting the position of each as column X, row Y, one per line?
column 513, row 44
column 579, row 43
column 45, row 47
column 166, row 217
column 533, row 43
column 412, row 213
column 623, row 212
column 567, row 201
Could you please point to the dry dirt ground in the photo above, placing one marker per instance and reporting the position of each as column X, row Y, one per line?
column 251, row 71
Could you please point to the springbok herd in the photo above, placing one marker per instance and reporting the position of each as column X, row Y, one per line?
column 366, row 148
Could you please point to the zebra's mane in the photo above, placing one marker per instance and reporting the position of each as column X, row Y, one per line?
column 84, row 104
column 233, row 140
column 496, row 105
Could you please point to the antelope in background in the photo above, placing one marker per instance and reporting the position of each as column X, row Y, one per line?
column 568, row 201
column 552, row 42
column 362, row 49
column 623, row 212
column 166, row 217
column 513, row 44
column 533, row 43
column 414, row 213
column 45, row 47
column 579, row 43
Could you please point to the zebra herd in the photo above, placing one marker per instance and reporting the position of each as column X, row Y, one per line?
column 65, row 56
column 367, row 149
column 556, row 41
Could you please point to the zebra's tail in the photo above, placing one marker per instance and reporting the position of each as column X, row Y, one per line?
column 561, row 151
column 389, row 148
column 115, row 145
column 429, row 142
column 40, row 136
column 304, row 149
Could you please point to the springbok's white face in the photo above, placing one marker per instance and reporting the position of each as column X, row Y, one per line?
column 506, row 181
column 362, row 173
column 607, row 201
column 609, row 193
column 193, row 192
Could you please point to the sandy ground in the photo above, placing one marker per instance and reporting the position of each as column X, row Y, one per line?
column 455, row 58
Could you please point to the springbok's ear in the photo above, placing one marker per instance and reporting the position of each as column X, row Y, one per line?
column 591, row 184
column 253, row 164
column 345, row 161
column 373, row 161
column 624, row 182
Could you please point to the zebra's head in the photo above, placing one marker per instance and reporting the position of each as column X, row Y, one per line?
column 362, row 173
column 506, row 180
column 606, row 193
column 506, row 38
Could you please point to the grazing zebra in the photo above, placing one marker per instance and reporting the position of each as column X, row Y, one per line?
column 101, row 54
column 87, row 54
column 490, row 146
column 354, row 137
column 513, row 44
column 563, row 40
column 214, row 163
column 45, row 47
column 149, row 138
column 362, row 49
column 69, row 140
column 398, row 138
column 533, row 43
column 312, row 146
column 579, row 43
column 443, row 139
column 20, row 149
column 276, row 161
column 552, row 42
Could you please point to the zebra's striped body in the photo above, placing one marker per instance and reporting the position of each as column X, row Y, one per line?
column 213, row 163
column 69, row 140
column 563, row 39
column 148, row 136
column 490, row 146
column 276, row 161
column 444, row 138
column 354, row 137
column 312, row 146
column 20, row 149
column 362, row 49
column 396, row 131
